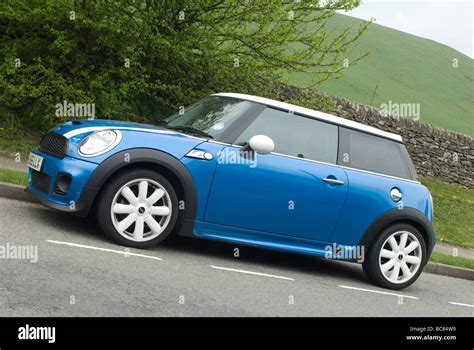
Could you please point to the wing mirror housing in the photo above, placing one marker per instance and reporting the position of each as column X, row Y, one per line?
column 261, row 144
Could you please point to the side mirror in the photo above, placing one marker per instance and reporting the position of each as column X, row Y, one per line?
column 261, row 144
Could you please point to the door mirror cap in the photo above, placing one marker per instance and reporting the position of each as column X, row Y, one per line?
column 261, row 144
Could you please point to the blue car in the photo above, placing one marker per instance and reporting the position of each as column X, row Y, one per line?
column 246, row 170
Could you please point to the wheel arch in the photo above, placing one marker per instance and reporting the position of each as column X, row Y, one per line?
column 394, row 216
column 144, row 158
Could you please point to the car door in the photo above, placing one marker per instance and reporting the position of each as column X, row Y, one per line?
column 297, row 190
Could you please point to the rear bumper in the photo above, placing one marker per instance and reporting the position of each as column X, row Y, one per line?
column 79, row 197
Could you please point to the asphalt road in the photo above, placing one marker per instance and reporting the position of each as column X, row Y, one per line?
column 80, row 273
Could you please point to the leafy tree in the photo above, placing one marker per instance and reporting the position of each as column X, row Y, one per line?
column 143, row 59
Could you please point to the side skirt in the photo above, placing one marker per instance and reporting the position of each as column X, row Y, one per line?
column 266, row 240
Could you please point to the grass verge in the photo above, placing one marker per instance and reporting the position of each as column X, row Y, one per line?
column 453, row 212
column 13, row 177
column 452, row 260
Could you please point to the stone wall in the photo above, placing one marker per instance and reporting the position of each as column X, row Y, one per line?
column 436, row 152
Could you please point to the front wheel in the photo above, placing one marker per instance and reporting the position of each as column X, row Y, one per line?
column 138, row 208
column 396, row 258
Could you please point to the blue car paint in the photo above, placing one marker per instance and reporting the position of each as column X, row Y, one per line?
column 368, row 198
column 239, row 206
column 202, row 173
column 174, row 144
column 78, row 169
column 81, row 168
column 259, row 239
column 280, row 195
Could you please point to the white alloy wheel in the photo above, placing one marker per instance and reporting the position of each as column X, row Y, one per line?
column 400, row 257
column 141, row 210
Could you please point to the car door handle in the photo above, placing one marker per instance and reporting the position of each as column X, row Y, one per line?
column 333, row 181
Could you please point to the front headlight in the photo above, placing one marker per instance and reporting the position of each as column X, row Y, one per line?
column 99, row 142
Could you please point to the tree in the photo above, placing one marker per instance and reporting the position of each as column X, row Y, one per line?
column 142, row 59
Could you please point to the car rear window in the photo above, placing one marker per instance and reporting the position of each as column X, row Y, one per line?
column 368, row 152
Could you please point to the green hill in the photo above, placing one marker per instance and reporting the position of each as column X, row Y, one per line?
column 406, row 69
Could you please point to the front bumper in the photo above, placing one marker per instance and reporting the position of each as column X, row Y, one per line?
column 80, row 208
column 79, row 197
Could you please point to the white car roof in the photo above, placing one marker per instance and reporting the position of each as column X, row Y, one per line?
column 314, row 114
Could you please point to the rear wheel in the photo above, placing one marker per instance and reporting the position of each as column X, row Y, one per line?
column 396, row 258
column 138, row 208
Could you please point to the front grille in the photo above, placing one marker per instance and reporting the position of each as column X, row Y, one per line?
column 40, row 181
column 54, row 144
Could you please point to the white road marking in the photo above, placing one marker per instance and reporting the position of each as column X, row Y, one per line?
column 461, row 304
column 379, row 292
column 252, row 273
column 105, row 250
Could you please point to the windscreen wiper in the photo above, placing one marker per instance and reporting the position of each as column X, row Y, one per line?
column 190, row 130
column 160, row 123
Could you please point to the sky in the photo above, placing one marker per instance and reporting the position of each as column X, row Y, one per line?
column 444, row 21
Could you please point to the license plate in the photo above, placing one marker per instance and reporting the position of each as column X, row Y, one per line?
column 35, row 161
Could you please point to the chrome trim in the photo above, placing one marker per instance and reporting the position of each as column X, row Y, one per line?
column 333, row 181
column 379, row 174
column 330, row 164
column 278, row 154
column 306, row 159
column 198, row 154
column 432, row 206
column 395, row 194
column 221, row 143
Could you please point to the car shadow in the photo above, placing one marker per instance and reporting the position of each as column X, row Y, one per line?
column 89, row 229
column 76, row 226
column 286, row 261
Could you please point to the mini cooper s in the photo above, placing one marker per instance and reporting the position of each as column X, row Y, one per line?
column 246, row 170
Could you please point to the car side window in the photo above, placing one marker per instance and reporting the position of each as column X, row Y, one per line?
column 367, row 152
column 295, row 135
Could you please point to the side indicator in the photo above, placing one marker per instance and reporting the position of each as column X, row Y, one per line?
column 199, row 154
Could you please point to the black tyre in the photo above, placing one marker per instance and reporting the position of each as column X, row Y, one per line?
column 396, row 258
column 138, row 208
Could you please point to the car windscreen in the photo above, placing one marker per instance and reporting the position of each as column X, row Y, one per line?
column 213, row 115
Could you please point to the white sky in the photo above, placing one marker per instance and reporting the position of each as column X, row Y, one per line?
column 444, row 21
